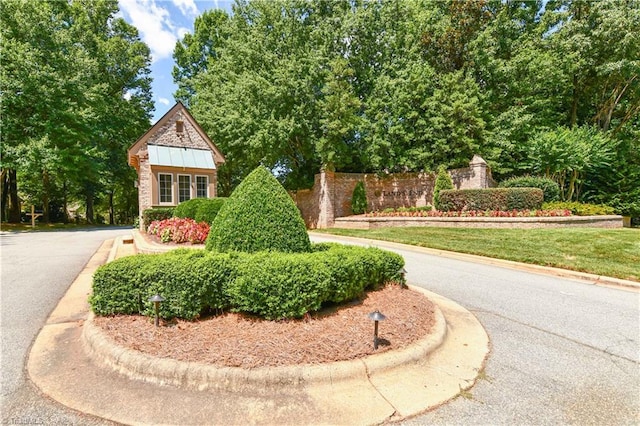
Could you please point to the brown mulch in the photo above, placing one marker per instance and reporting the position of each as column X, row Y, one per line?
column 240, row 340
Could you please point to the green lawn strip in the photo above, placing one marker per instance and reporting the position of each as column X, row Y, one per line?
column 608, row 252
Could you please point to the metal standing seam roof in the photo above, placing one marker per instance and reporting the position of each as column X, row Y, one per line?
column 180, row 157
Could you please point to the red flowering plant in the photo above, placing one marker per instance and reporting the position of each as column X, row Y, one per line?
column 470, row 213
column 179, row 230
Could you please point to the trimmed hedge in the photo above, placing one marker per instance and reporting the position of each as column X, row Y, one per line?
column 580, row 209
column 273, row 285
column 259, row 216
column 200, row 209
column 549, row 187
column 491, row 199
column 156, row 213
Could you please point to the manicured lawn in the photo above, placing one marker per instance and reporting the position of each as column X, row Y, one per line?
column 609, row 252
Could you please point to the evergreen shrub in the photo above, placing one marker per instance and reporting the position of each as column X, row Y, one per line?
column 359, row 199
column 271, row 284
column 443, row 182
column 580, row 209
column 200, row 209
column 259, row 215
column 156, row 213
column 491, row 199
column 187, row 209
column 549, row 187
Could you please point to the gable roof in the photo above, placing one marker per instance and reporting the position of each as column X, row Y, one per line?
column 186, row 116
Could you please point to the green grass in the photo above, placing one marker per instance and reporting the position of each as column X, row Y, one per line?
column 609, row 252
column 24, row 227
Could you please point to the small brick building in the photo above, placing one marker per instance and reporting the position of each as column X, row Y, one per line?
column 175, row 161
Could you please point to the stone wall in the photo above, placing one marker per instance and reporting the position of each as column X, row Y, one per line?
column 330, row 197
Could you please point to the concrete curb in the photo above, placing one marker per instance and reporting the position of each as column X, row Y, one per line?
column 191, row 375
column 545, row 270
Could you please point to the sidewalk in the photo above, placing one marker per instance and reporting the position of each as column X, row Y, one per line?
column 78, row 367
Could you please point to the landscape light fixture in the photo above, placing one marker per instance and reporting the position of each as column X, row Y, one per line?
column 376, row 317
column 157, row 299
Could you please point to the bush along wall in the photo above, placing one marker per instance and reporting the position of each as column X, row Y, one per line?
column 549, row 187
column 359, row 199
column 200, row 209
column 443, row 182
column 491, row 199
column 270, row 284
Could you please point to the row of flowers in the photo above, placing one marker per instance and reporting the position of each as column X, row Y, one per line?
column 472, row 213
column 179, row 230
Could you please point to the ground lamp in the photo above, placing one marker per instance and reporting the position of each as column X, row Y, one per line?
column 157, row 299
column 376, row 317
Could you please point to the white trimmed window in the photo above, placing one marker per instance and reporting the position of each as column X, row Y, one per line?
column 165, row 188
column 202, row 186
column 184, row 188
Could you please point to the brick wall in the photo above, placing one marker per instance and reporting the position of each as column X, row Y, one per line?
column 330, row 196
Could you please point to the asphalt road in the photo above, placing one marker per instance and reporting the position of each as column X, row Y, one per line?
column 562, row 351
column 37, row 269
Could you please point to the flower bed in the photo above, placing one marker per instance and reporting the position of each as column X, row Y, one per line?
column 471, row 213
column 179, row 230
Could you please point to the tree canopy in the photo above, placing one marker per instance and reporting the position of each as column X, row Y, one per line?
column 75, row 93
column 411, row 85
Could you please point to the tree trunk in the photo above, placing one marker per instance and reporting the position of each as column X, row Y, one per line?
column 89, row 205
column 45, row 197
column 111, row 208
column 574, row 103
column 4, row 195
column 14, row 201
column 65, row 203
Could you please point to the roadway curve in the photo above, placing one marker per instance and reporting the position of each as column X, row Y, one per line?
column 562, row 351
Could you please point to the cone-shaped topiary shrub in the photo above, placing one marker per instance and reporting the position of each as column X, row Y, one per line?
column 259, row 215
column 443, row 181
column 359, row 199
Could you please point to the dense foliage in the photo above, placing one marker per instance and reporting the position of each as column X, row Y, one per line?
column 75, row 94
column 548, row 88
column 259, row 215
column 503, row 199
column 443, row 182
column 359, row 199
column 549, row 187
column 273, row 285
column 200, row 209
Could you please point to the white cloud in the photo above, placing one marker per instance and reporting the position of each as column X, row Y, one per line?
column 154, row 24
column 164, row 101
column 187, row 7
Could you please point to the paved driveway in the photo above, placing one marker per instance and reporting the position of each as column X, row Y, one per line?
column 562, row 351
column 37, row 269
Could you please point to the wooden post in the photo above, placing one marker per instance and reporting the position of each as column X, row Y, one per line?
column 33, row 216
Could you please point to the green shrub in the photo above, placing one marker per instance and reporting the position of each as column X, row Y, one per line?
column 200, row 209
column 580, row 209
column 156, row 213
column 271, row 284
column 549, row 187
column 259, row 215
column 280, row 285
column 208, row 210
column 359, row 199
column 187, row 209
column 443, row 182
column 491, row 199
column 191, row 281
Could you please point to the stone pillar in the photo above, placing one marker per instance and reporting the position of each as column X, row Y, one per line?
column 326, row 213
column 481, row 175
column 144, row 186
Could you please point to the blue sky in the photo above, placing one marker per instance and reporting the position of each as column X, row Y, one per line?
column 161, row 23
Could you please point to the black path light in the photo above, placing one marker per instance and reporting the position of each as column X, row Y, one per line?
column 157, row 299
column 376, row 316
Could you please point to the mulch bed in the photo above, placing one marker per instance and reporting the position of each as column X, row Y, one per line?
column 239, row 340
